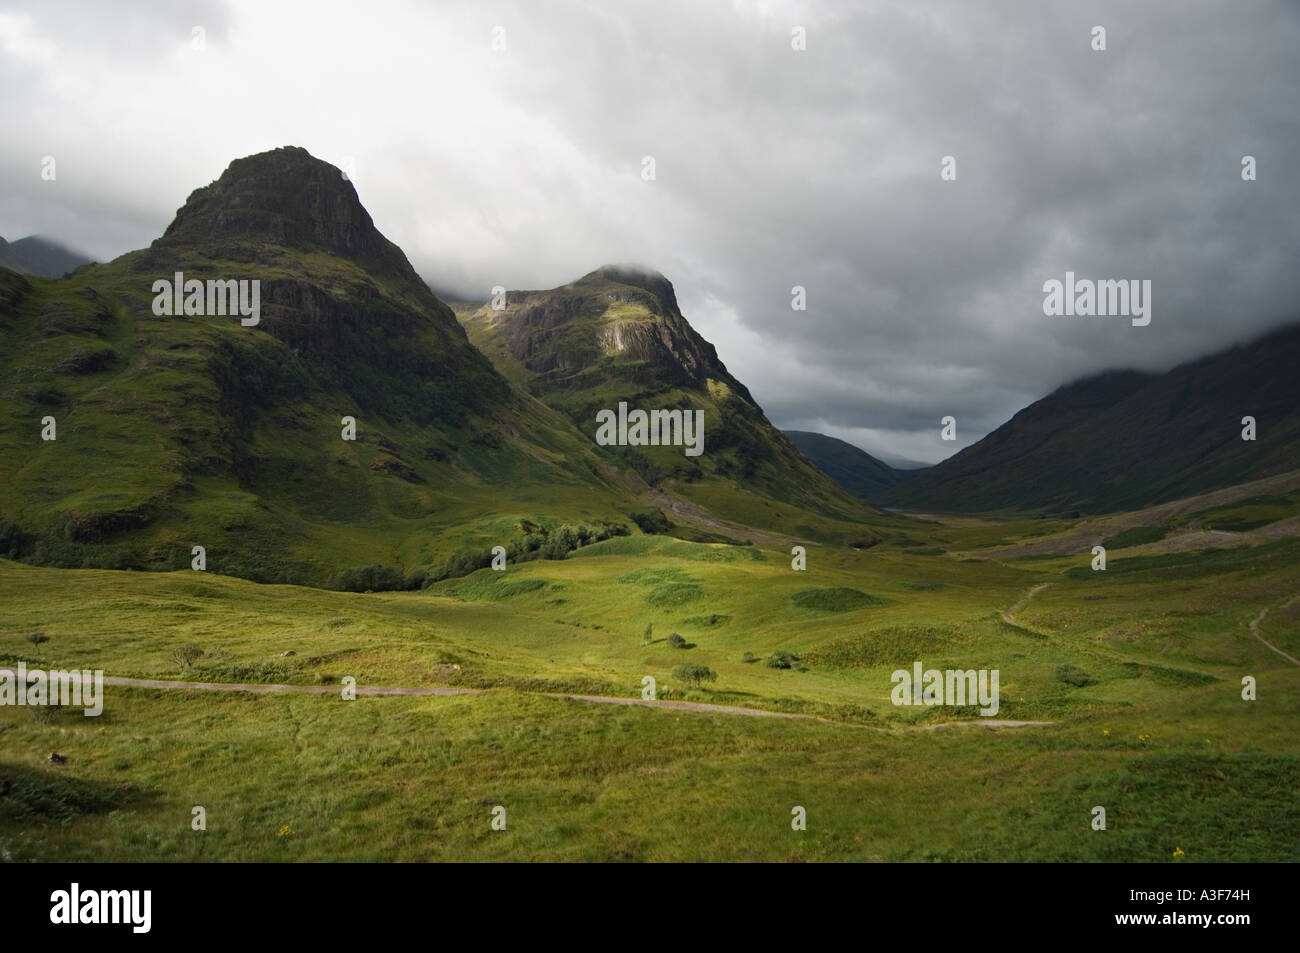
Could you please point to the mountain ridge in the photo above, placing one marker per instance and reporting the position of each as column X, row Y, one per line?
column 176, row 431
column 616, row 335
column 36, row 255
column 852, row 467
column 1123, row 439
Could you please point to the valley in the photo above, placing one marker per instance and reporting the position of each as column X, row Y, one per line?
column 1126, row 684
column 429, row 598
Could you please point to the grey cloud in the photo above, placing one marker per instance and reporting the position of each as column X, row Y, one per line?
column 775, row 168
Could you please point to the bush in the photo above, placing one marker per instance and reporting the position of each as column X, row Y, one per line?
column 648, row 634
column 694, row 673
column 186, row 655
column 372, row 578
column 467, row 561
column 651, row 522
column 14, row 543
column 676, row 641
column 1073, row 675
column 749, row 657
column 559, row 544
column 781, row 660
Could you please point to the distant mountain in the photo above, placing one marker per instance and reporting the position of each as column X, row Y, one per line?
column 617, row 336
column 40, row 256
column 178, row 430
column 904, row 465
column 852, row 468
column 1126, row 439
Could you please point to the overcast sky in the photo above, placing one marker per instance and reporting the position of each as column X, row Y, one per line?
column 774, row 167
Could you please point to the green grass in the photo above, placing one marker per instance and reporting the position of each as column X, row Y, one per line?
column 1139, row 670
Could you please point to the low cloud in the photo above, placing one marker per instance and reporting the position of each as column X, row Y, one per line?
column 774, row 168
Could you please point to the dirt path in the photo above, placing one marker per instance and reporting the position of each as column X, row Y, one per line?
column 1006, row 613
column 371, row 690
column 988, row 723
column 690, row 706
column 1254, row 630
column 275, row 689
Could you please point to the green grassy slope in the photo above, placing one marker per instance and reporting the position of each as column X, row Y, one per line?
column 1138, row 668
column 175, row 431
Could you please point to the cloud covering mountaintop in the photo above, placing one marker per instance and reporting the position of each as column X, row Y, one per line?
column 522, row 167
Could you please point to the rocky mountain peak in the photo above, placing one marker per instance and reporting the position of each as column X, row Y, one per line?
column 284, row 197
column 636, row 276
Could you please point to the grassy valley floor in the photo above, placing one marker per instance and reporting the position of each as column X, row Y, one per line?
column 1136, row 669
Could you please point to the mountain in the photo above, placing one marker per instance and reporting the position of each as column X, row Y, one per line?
column 1127, row 439
column 616, row 336
column 852, row 468
column 34, row 255
column 176, row 430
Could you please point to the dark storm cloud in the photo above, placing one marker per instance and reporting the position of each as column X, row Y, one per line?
column 775, row 168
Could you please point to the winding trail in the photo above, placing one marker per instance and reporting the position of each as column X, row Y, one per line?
column 1006, row 613
column 372, row 690
column 1254, row 630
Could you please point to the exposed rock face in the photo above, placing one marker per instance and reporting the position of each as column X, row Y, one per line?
column 616, row 312
column 616, row 335
column 358, row 314
column 284, row 197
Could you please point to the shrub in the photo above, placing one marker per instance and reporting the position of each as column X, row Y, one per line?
column 559, row 544
column 648, row 634
column 676, row 641
column 14, row 543
column 372, row 578
column 186, row 655
column 781, row 660
column 467, row 561
column 1073, row 675
column 651, row 522
column 694, row 673
column 749, row 657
